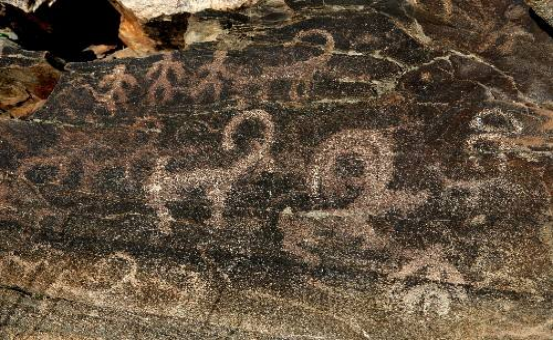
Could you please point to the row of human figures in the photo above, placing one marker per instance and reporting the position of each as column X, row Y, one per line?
column 207, row 80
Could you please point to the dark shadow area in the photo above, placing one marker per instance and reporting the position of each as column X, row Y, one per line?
column 71, row 30
column 170, row 31
column 543, row 25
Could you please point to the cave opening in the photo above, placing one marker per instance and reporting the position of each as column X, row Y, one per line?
column 71, row 30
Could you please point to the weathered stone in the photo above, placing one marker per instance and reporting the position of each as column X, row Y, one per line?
column 26, row 80
column 149, row 10
column 543, row 8
column 355, row 170
column 149, row 26
column 27, row 6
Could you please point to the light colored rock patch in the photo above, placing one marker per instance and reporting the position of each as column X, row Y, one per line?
column 543, row 8
column 28, row 5
column 146, row 10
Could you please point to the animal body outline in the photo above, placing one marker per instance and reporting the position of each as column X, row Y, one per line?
column 376, row 152
column 163, row 186
column 298, row 73
column 302, row 72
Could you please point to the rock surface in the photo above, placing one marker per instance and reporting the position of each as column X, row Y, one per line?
column 27, row 6
column 26, row 80
column 148, row 10
column 543, row 8
column 149, row 26
column 145, row 26
column 338, row 170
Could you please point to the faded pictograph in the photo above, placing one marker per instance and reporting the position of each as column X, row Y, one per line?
column 442, row 9
column 301, row 73
column 210, row 84
column 162, row 72
column 170, row 77
column 207, row 81
column 498, row 136
column 106, row 275
column 352, row 166
column 165, row 186
column 539, row 331
column 493, row 134
column 495, row 138
column 23, row 188
column 438, row 283
column 115, row 87
column 108, row 281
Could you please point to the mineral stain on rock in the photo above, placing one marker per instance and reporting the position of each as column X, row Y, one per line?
column 328, row 170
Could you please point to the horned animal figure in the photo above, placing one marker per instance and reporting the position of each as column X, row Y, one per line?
column 353, row 167
column 371, row 156
column 240, row 78
column 302, row 72
column 165, row 186
column 375, row 156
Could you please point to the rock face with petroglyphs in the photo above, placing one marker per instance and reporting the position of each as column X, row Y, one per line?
column 349, row 170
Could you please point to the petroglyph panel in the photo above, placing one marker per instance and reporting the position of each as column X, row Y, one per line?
column 356, row 171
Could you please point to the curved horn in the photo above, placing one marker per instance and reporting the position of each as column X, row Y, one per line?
column 369, row 146
column 269, row 130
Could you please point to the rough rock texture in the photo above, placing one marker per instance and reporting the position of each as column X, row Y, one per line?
column 148, row 26
column 68, row 29
column 349, row 170
column 26, row 80
column 27, row 6
column 148, row 10
column 543, row 8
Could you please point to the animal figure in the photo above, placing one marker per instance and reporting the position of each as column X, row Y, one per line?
column 439, row 283
column 115, row 83
column 301, row 73
column 373, row 155
column 351, row 161
column 362, row 160
column 165, row 186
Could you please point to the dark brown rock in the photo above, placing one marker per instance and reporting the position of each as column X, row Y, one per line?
column 347, row 170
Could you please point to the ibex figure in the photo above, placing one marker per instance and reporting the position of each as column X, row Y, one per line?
column 164, row 186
